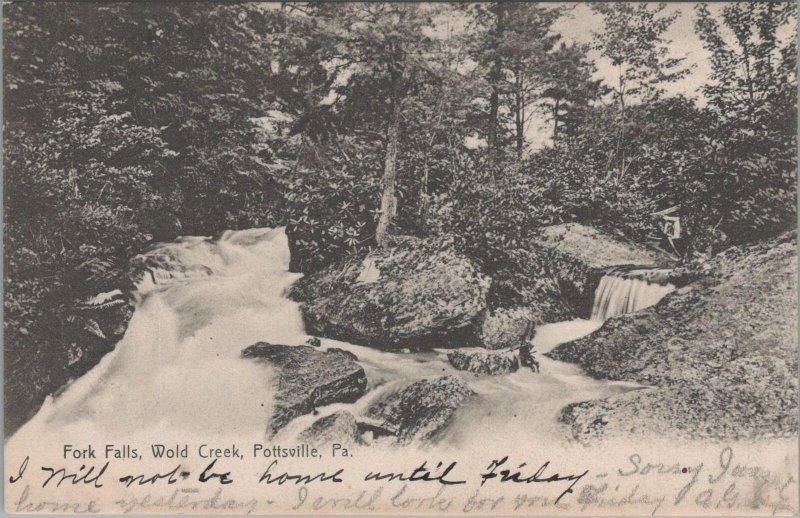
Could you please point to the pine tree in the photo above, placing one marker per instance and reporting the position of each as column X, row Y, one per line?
column 511, row 41
column 571, row 89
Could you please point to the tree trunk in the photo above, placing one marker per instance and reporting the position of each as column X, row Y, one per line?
column 495, row 76
column 555, row 120
column 749, row 80
column 389, row 181
column 424, row 199
column 519, row 116
column 622, row 88
column 494, row 103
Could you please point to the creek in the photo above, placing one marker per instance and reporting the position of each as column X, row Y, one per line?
column 177, row 374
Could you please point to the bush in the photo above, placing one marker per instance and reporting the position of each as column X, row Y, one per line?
column 332, row 198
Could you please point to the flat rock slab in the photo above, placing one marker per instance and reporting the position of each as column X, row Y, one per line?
column 483, row 362
column 308, row 378
column 420, row 409
column 597, row 249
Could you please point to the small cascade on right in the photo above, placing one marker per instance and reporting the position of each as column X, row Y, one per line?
column 628, row 291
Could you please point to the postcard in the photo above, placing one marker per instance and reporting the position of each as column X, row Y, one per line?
column 394, row 258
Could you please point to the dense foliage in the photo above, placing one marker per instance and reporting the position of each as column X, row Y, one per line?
column 124, row 125
column 127, row 124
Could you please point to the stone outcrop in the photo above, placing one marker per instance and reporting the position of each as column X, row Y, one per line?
column 339, row 427
column 504, row 328
column 720, row 352
column 164, row 266
column 419, row 410
column 597, row 249
column 577, row 256
column 418, row 294
column 552, row 278
column 308, row 378
column 483, row 362
column 423, row 293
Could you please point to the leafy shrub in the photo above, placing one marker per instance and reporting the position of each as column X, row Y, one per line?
column 332, row 197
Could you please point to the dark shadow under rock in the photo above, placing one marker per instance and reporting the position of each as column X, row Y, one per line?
column 308, row 378
column 420, row 409
column 483, row 362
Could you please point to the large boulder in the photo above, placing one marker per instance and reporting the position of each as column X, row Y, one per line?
column 523, row 288
column 419, row 410
column 597, row 249
column 418, row 293
column 483, row 362
column 168, row 264
column 308, row 378
column 339, row 427
column 721, row 353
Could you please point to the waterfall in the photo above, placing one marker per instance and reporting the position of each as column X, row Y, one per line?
column 178, row 373
column 627, row 292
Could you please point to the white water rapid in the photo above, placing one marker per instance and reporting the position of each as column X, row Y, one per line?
column 177, row 374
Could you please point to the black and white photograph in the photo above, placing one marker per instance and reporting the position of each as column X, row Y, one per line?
column 446, row 258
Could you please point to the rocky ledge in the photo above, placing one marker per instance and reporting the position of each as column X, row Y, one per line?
column 553, row 277
column 720, row 354
column 425, row 293
column 577, row 256
column 308, row 378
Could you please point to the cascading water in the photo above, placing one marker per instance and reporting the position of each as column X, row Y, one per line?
column 627, row 292
column 178, row 372
column 178, row 378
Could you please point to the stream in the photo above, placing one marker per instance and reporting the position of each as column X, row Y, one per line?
column 177, row 374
